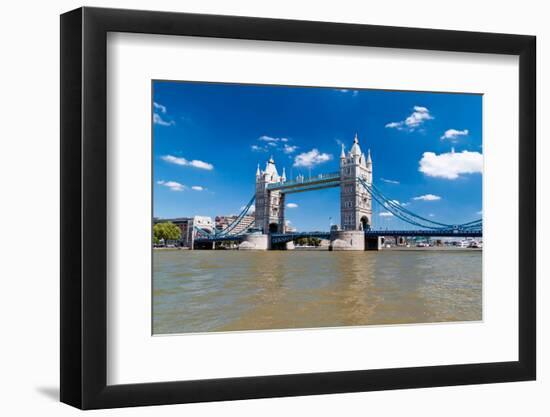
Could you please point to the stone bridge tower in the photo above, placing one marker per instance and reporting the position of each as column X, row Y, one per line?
column 355, row 200
column 270, row 205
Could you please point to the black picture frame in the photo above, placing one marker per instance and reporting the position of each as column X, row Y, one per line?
column 84, row 207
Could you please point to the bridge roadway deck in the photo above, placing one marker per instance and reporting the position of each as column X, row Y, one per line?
column 287, row 237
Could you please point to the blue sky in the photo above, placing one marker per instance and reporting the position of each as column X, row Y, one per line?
column 208, row 139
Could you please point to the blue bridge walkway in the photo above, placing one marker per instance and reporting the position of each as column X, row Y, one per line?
column 288, row 237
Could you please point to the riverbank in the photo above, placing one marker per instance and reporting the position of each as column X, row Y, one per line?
column 432, row 248
column 325, row 248
column 404, row 249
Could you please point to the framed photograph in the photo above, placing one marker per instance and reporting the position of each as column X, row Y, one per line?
column 257, row 208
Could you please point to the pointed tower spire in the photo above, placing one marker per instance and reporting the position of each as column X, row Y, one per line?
column 258, row 173
column 355, row 149
column 369, row 160
column 271, row 170
column 283, row 177
column 343, row 154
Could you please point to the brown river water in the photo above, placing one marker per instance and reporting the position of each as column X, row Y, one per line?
column 213, row 291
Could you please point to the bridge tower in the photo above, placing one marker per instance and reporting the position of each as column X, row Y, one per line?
column 355, row 200
column 270, row 205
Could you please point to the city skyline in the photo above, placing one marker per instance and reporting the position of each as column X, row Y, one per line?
column 209, row 139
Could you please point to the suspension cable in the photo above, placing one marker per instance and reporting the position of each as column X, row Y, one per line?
column 405, row 214
column 238, row 220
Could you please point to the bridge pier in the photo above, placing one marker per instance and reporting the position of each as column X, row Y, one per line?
column 373, row 242
column 203, row 246
column 282, row 246
column 347, row 240
column 255, row 241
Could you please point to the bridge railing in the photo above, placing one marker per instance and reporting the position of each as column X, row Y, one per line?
column 426, row 232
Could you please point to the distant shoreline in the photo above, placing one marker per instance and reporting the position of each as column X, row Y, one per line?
column 433, row 248
column 325, row 248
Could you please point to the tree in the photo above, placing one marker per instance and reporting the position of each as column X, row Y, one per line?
column 314, row 241
column 308, row 241
column 166, row 231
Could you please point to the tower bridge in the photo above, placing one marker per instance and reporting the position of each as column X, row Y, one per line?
column 357, row 192
column 355, row 199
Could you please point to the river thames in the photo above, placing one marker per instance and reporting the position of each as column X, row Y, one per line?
column 218, row 291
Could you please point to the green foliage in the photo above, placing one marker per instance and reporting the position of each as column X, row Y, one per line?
column 166, row 231
column 308, row 241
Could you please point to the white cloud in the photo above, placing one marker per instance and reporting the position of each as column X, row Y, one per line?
column 197, row 188
column 159, row 107
column 451, row 165
column 289, row 148
column 184, row 162
column 174, row 160
column 394, row 124
column 419, row 116
column 266, row 138
column 385, row 214
column 311, row 158
column 172, row 185
column 160, row 121
column 389, row 181
column 480, row 212
column 201, row 164
column 427, row 197
column 273, row 142
column 257, row 148
column 416, row 119
column 453, row 134
column 354, row 93
column 431, row 215
column 421, row 109
column 292, row 205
